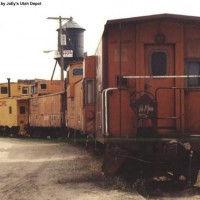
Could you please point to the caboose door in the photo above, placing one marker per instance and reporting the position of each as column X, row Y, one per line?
column 159, row 63
column 23, row 115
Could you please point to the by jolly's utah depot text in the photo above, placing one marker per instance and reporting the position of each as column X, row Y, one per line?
column 20, row 3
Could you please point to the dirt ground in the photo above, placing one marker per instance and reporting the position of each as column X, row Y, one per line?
column 44, row 170
column 52, row 170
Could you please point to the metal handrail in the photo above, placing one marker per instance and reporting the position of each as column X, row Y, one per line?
column 105, row 109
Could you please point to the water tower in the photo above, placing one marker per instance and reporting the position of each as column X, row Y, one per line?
column 70, row 42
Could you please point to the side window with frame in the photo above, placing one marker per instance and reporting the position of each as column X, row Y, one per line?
column 78, row 71
column 25, row 90
column 158, row 63
column 43, row 86
column 4, row 90
column 33, row 89
column 193, row 69
column 89, row 91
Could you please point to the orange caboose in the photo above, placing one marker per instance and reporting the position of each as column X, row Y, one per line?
column 47, row 115
column 81, row 98
column 74, row 75
column 147, row 86
column 43, row 87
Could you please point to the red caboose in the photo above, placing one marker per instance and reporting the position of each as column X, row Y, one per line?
column 147, row 89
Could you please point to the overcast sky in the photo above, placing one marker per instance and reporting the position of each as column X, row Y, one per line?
column 25, row 32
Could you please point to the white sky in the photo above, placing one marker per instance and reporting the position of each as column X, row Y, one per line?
column 25, row 32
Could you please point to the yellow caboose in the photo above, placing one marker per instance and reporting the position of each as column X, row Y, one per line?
column 14, row 114
column 14, row 89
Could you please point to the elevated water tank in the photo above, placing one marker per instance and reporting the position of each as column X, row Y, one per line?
column 74, row 48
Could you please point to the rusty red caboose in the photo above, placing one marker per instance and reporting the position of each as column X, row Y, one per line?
column 147, row 91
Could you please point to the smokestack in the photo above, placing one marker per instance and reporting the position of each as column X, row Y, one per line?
column 9, row 92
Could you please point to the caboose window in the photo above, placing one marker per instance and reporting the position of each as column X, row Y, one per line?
column 77, row 71
column 193, row 68
column 43, row 86
column 33, row 89
column 4, row 90
column 158, row 62
column 89, row 92
column 24, row 90
column 22, row 110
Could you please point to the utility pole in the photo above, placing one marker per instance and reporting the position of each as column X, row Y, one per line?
column 59, row 42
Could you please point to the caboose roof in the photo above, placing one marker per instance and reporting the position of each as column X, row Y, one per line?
column 185, row 18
